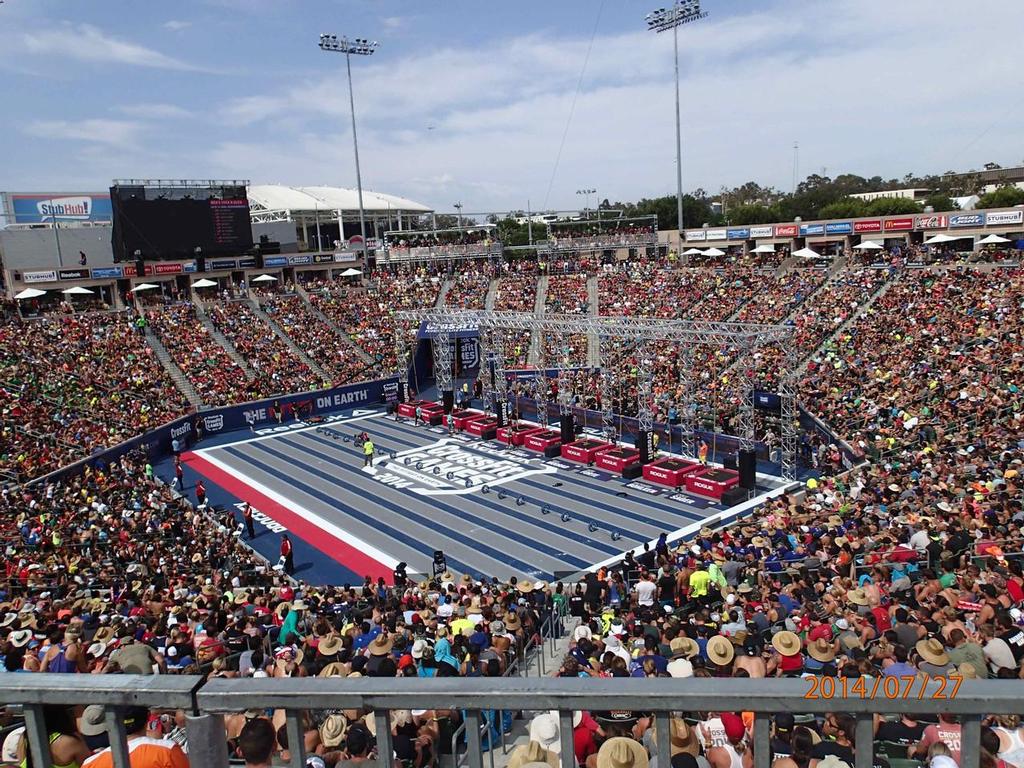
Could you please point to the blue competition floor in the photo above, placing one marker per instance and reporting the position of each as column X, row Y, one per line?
column 492, row 510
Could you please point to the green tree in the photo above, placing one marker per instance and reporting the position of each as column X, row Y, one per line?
column 889, row 206
column 941, row 202
column 1004, row 197
column 696, row 211
column 510, row 232
column 752, row 214
column 848, row 208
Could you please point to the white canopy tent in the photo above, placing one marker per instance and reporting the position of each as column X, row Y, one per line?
column 351, row 272
column 263, row 279
column 939, row 239
column 763, row 249
column 714, row 252
column 204, row 283
column 692, row 252
column 29, row 293
column 144, row 287
column 993, row 240
column 807, row 253
column 76, row 290
column 869, row 245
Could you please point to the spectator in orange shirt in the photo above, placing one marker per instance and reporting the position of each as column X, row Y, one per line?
column 144, row 751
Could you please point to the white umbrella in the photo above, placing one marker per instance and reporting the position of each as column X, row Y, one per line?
column 204, row 283
column 351, row 272
column 869, row 245
column 29, row 293
column 263, row 279
column 992, row 239
column 807, row 253
column 763, row 249
column 692, row 252
column 144, row 287
column 939, row 238
column 714, row 252
column 77, row 290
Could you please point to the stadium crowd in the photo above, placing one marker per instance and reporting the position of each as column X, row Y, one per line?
column 278, row 370
column 320, row 341
column 907, row 565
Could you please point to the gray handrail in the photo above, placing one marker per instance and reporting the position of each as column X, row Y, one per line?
column 663, row 696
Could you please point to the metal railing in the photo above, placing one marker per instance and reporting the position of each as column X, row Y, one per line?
column 206, row 705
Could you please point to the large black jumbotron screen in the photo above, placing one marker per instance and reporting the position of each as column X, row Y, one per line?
column 172, row 223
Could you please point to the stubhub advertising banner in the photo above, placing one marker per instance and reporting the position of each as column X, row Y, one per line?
column 42, row 207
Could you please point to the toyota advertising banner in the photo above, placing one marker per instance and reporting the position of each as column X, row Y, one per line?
column 45, row 207
column 872, row 225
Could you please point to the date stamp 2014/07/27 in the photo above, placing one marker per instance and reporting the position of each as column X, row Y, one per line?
column 891, row 687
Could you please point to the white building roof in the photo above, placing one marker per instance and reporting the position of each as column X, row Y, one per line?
column 273, row 197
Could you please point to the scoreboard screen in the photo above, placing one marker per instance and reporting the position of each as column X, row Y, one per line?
column 172, row 223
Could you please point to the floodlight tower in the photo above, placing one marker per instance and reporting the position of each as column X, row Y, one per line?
column 360, row 47
column 663, row 20
column 586, row 193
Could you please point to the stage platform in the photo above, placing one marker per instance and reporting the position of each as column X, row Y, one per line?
column 461, row 419
column 517, row 435
column 617, row 459
column 712, row 481
column 493, row 509
column 585, row 450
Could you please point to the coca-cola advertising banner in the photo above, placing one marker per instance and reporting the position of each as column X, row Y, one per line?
column 931, row 221
column 787, row 230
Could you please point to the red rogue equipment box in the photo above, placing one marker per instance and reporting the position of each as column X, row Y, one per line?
column 712, row 481
column 485, row 427
column 546, row 441
column 670, row 471
column 409, row 409
column 461, row 419
column 617, row 459
column 517, row 435
column 584, row 450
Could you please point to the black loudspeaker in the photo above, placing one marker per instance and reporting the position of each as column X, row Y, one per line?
column 140, row 268
column 633, row 471
column 447, row 400
column 568, row 428
column 200, row 263
column 748, row 469
column 392, row 409
column 259, row 259
column 645, row 444
column 730, row 462
column 733, row 496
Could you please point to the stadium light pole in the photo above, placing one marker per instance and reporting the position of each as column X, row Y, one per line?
column 360, row 47
column 663, row 20
column 586, row 196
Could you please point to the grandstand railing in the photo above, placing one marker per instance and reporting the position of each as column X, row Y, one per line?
column 205, row 705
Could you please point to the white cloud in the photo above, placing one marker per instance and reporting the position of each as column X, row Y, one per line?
column 86, row 42
column 175, row 25
column 95, row 131
column 155, row 111
column 392, row 23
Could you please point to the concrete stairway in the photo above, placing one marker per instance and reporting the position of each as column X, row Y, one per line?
column 593, row 343
column 538, row 308
column 180, row 380
column 442, row 295
column 221, row 339
column 492, row 294
column 850, row 320
column 286, row 340
column 786, row 265
column 359, row 351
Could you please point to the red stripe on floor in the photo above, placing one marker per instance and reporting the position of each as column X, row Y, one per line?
column 338, row 550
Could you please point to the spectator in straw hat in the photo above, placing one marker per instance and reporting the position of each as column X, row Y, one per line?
column 532, row 754
column 787, row 659
column 621, row 752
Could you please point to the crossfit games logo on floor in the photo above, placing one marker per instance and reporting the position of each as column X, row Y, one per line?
column 447, row 467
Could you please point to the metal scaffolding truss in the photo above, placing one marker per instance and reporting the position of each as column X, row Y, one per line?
column 646, row 334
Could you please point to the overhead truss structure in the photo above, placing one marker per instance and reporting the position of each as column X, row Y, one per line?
column 648, row 336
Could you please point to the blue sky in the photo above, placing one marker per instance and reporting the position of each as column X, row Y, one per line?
column 470, row 100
